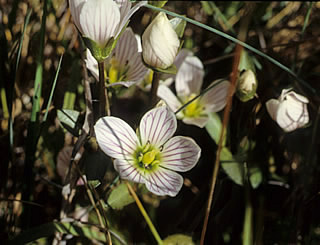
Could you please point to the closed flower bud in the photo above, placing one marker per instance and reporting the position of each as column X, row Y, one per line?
column 247, row 86
column 160, row 43
column 289, row 110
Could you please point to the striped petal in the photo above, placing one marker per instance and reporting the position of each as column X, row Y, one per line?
column 166, row 94
column 99, row 20
column 126, row 170
column 164, row 182
column 126, row 12
column 75, row 8
column 126, row 47
column 189, row 77
column 197, row 121
column 180, row 154
column 292, row 115
column 116, row 138
column 157, row 126
column 216, row 98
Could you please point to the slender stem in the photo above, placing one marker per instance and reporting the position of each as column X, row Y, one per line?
column 154, row 88
column 103, row 93
column 144, row 214
column 226, row 114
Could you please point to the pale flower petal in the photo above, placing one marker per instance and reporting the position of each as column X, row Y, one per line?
column 126, row 12
column 116, row 138
column 160, row 43
column 75, row 8
column 92, row 65
column 189, row 77
column 167, row 95
column 200, row 121
column 126, row 170
column 180, row 154
column 157, row 126
column 99, row 19
column 164, row 182
column 272, row 107
column 216, row 98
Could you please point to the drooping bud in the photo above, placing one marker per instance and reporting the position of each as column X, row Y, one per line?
column 160, row 43
column 289, row 110
column 246, row 86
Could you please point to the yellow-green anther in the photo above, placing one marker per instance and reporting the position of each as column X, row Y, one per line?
column 113, row 71
column 193, row 109
column 146, row 148
column 149, row 157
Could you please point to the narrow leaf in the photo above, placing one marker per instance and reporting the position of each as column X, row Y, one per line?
column 120, row 197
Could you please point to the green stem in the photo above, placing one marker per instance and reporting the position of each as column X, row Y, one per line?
column 144, row 214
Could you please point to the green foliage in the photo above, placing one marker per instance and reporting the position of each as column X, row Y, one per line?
column 120, row 197
column 178, row 239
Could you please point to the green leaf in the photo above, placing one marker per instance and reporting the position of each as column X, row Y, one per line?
column 158, row 4
column 178, row 25
column 178, row 239
column 233, row 169
column 68, row 119
column 94, row 183
column 214, row 127
column 120, row 197
column 46, row 230
column 255, row 177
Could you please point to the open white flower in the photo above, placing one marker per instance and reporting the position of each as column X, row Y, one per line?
column 124, row 66
column 152, row 156
column 289, row 110
column 160, row 43
column 101, row 20
column 188, row 83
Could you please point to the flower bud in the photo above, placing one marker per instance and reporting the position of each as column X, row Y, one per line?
column 160, row 43
column 289, row 110
column 246, row 86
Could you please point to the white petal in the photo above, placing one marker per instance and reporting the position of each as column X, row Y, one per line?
column 92, row 65
column 137, row 70
column 157, row 126
column 160, row 43
column 126, row 170
column 116, row 138
column 126, row 47
column 291, row 116
column 164, row 182
column 99, row 20
column 75, row 8
column 299, row 97
column 216, row 98
column 272, row 108
column 166, row 94
column 126, row 12
column 189, row 77
column 197, row 121
column 180, row 154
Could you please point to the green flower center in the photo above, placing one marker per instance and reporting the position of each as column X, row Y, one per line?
column 148, row 157
column 194, row 109
column 116, row 72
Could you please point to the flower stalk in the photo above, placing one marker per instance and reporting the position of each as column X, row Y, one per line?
column 145, row 214
column 103, row 93
column 154, row 88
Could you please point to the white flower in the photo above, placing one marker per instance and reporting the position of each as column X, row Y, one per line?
column 165, row 79
column 101, row 20
column 289, row 110
column 152, row 156
column 124, row 66
column 188, row 83
column 160, row 43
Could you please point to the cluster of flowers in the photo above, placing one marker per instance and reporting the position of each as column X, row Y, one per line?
column 152, row 155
